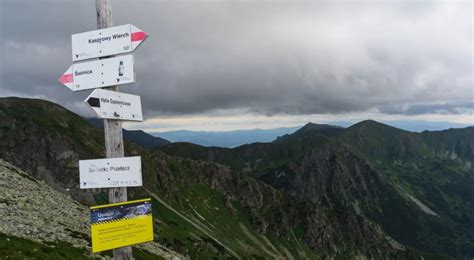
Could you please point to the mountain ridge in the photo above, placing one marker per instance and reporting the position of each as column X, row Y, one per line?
column 248, row 216
column 428, row 171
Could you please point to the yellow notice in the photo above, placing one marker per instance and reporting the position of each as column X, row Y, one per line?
column 121, row 231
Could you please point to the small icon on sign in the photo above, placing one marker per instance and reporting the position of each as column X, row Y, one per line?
column 120, row 70
column 92, row 168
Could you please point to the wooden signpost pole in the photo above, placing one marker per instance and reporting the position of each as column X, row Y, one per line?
column 113, row 128
column 95, row 66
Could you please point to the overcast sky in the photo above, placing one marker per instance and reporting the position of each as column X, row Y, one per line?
column 220, row 65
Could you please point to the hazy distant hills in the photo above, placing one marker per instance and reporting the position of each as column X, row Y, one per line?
column 322, row 192
column 236, row 138
column 413, row 125
column 240, row 137
column 227, row 138
column 135, row 136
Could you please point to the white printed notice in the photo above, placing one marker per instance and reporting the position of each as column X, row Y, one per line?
column 110, row 172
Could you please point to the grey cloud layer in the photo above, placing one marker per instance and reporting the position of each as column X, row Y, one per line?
column 267, row 57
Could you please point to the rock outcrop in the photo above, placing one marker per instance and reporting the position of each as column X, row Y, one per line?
column 30, row 209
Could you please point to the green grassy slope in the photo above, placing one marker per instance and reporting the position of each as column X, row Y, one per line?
column 425, row 172
column 191, row 217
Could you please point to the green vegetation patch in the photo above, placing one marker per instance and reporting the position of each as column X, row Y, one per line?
column 18, row 248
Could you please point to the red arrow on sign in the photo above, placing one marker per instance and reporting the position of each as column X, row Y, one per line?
column 67, row 79
column 138, row 36
column 95, row 73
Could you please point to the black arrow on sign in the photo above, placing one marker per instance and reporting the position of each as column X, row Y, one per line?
column 93, row 102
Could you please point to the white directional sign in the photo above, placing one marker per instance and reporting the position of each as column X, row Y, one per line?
column 110, row 172
column 100, row 73
column 115, row 105
column 106, row 42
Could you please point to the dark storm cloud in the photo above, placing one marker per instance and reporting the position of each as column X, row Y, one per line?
column 266, row 57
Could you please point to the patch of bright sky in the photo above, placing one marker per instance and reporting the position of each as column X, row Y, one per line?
column 253, row 121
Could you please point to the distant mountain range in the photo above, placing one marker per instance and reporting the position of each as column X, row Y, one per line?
column 135, row 136
column 240, row 137
column 368, row 191
column 236, row 138
column 227, row 138
column 420, row 125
